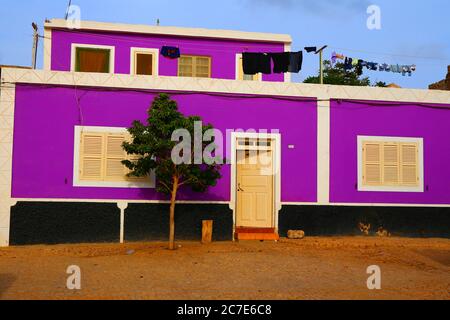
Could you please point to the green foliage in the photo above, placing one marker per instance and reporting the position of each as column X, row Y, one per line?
column 380, row 84
column 337, row 75
column 152, row 143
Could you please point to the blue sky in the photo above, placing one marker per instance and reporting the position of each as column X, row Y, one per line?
column 413, row 32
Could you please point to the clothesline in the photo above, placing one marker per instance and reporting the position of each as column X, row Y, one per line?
column 389, row 54
column 254, row 63
column 358, row 64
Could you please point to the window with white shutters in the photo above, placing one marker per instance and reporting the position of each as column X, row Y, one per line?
column 390, row 163
column 101, row 157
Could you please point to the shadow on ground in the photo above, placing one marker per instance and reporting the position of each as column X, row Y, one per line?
column 439, row 256
column 6, row 280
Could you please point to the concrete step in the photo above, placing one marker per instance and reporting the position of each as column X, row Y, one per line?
column 254, row 230
column 258, row 236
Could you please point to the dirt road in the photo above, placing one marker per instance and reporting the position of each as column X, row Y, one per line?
column 314, row 268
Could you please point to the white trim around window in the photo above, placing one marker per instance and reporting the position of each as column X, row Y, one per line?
column 102, row 184
column 237, row 70
column 153, row 52
column 417, row 189
column 91, row 46
column 287, row 75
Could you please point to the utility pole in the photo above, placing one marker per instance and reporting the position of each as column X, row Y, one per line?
column 35, row 45
column 320, row 52
column 321, row 66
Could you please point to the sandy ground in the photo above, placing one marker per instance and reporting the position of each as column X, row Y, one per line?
column 314, row 268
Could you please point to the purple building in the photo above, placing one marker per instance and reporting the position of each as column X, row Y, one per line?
column 336, row 155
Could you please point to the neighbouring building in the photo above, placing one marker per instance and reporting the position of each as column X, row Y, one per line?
column 443, row 84
column 336, row 155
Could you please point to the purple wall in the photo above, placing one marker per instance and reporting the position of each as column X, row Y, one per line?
column 222, row 52
column 44, row 136
column 348, row 120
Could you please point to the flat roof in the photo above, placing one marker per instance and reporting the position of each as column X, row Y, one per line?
column 173, row 31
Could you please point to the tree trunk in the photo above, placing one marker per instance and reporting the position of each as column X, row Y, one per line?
column 172, row 213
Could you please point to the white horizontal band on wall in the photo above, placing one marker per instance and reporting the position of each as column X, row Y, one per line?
column 183, row 84
column 407, row 205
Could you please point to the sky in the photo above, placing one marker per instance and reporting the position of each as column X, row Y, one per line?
column 412, row 32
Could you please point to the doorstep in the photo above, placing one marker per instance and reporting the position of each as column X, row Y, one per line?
column 262, row 234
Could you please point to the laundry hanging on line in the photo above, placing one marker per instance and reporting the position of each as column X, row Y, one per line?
column 287, row 62
column 359, row 64
column 257, row 62
column 296, row 62
column 336, row 56
column 170, row 52
column 311, row 49
column 281, row 62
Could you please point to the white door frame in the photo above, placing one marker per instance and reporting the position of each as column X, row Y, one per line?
column 277, row 167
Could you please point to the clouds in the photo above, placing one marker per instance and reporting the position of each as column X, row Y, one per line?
column 313, row 6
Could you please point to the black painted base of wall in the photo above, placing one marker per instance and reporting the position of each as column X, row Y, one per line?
column 64, row 222
column 339, row 221
column 150, row 222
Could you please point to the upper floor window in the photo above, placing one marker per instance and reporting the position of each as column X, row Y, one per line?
column 240, row 75
column 92, row 58
column 194, row 66
column 390, row 164
column 144, row 61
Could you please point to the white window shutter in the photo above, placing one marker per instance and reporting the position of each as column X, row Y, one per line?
column 92, row 148
column 372, row 163
column 391, row 164
column 409, row 164
column 115, row 154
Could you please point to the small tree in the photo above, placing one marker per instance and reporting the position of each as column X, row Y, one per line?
column 154, row 146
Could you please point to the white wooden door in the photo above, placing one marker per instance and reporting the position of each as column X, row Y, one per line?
column 255, row 188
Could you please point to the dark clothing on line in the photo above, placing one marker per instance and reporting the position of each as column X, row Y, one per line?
column 348, row 64
column 359, row 67
column 254, row 63
column 281, row 62
column 311, row 49
column 296, row 61
column 170, row 52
